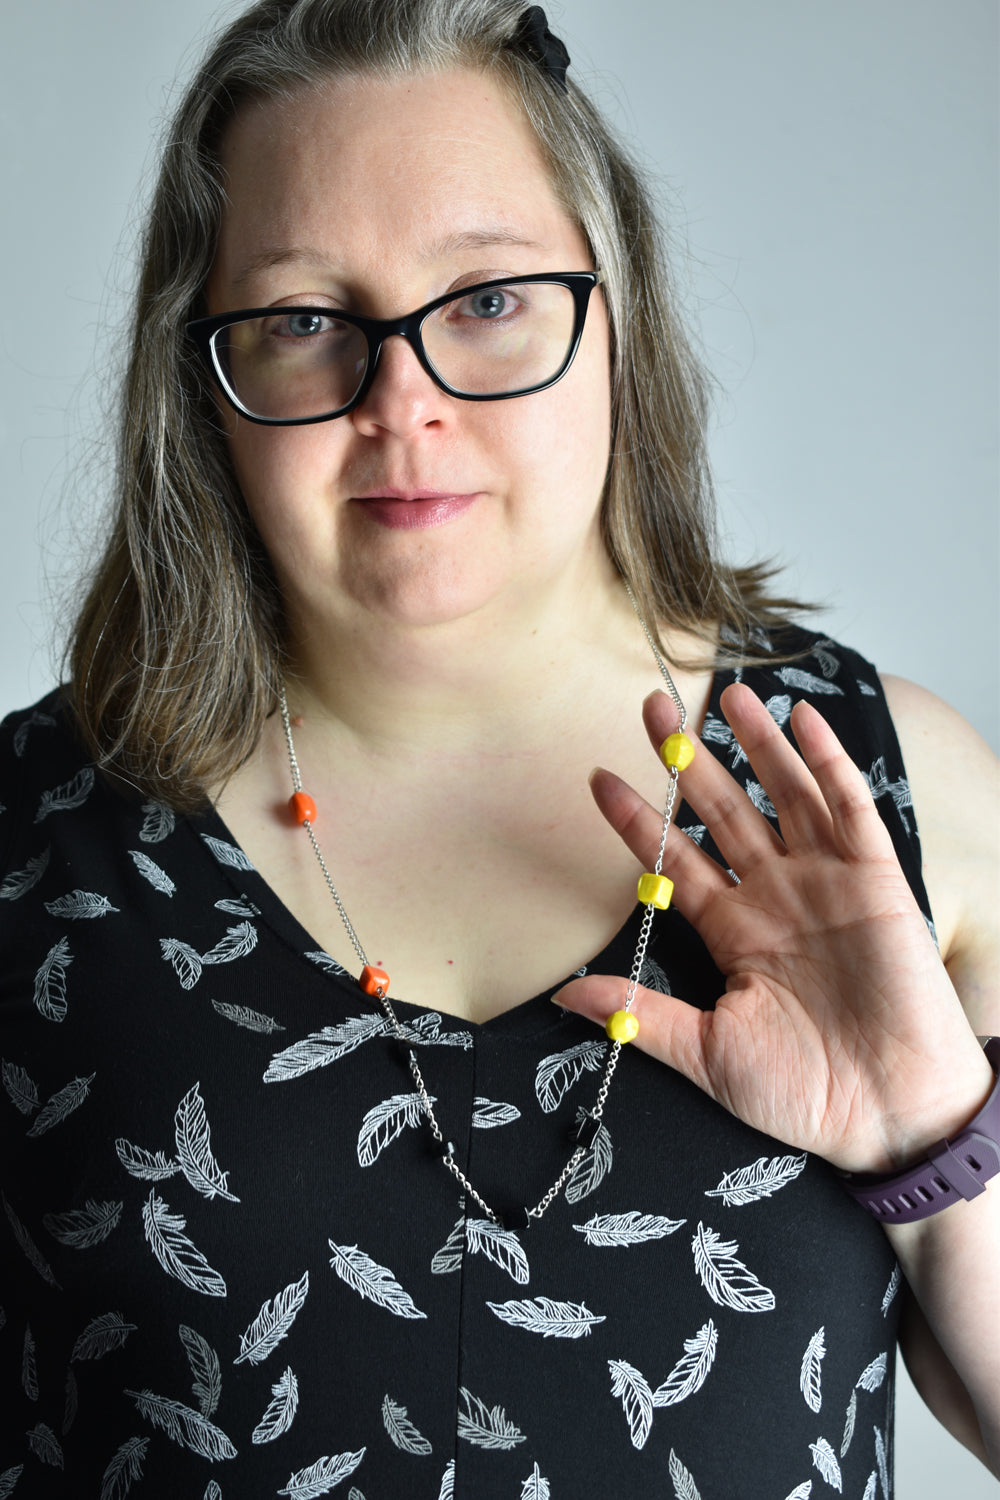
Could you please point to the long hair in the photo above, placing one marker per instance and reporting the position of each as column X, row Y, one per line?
column 176, row 656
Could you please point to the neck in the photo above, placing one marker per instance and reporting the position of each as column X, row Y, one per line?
column 517, row 671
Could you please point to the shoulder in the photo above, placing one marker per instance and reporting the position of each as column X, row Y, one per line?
column 955, row 783
column 43, row 770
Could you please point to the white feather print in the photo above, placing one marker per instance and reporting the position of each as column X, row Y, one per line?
column 71, row 1402
column 807, row 682
column 426, row 1031
column 486, row 1427
column 193, row 1138
column 80, row 906
column 9, row 1477
column 19, row 882
column 826, row 1462
column 29, row 1365
column 73, row 793
column 766, row 1175
column 811, row 1371
column 553, row 1320
column 801, row 1491
column 535, row 1487
column 622, row 1230
column 175, row 1252
column 691, row 1370
column 27, row 1244
column 61, row 1105
column 124, row 1469
column 891, row 1289
column 652, row 977
column 273, row 1321
column 35, row 721
column 632, row 1388
column 829, row 665
column 850, row 1418
column 237, row 943
column 354, row 1493
column 101, row 1336
column 760, row 799
column 184, row 959
column 21, row 1088
column 725, row 1278
column 447, row 1490
column 253, row 1020
column 281, row 1409
column 557, row 1073
column 501, row 1246
column 487, row 1114
column 151, row 871
column 323, row 1047
column 81, row 1228
column 50, row 981
column 325, row 962
column 370, row 1280
column 696, row 833
column 321, row 1476
column 45, row 1445
column 158, row 823
column 227, row 854
column 780, row 709
column 872, row 1375
column 385, row 1122
column 150, row 1166
column 871, row 1487
column 449, row 1257
column 241, row 907
column 401, row 1430
column 185, row 1426
column 684, row 1485
column 865, row 688
column 883, row 1465
column 212, row 1491
column 204, row 1362
column 592, row 1168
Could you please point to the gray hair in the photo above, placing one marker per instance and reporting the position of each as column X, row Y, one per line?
column 176, row 656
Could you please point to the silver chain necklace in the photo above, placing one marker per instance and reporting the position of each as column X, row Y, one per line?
column 654, row 891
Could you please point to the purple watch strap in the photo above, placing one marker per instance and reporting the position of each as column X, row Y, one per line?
column 954, row 1169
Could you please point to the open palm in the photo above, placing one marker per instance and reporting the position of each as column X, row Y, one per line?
column 839, row 1031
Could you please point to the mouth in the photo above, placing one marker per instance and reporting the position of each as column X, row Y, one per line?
column 412, row 510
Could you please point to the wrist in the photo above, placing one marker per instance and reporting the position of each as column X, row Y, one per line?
column 952, row 1168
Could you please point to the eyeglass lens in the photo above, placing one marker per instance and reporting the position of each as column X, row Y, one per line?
column 487, row 341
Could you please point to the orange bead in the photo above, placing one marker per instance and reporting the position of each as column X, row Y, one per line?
column 372, row 980
column 303, row 807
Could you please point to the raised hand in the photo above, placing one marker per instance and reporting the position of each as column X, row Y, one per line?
column 839, row 1031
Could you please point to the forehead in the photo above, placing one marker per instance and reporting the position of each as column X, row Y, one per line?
column 364, row 172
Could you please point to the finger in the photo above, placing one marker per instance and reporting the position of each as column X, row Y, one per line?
column 742, row 835
column 803, row 816
column 669, row 1029
column 699, row 878
column 858, row 828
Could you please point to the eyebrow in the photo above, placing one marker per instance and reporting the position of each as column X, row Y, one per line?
column 309, row 258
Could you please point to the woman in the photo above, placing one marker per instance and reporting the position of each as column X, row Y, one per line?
column 380, row 561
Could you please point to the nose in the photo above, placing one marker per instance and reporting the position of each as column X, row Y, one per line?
column 402, row 398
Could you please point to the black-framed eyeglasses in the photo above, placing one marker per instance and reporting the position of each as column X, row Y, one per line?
column 286, row 366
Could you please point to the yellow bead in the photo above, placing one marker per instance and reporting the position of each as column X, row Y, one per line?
column 677, row 750
column 622, row 1026
column 655, row 890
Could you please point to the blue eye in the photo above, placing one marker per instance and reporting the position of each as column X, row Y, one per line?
column 301, row 325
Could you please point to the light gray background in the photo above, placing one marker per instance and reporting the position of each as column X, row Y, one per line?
column 831, row 173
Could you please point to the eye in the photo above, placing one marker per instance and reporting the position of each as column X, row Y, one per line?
column 488, row 304
column 301, row 325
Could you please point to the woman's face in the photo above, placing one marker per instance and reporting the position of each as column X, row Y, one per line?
column 375, row 198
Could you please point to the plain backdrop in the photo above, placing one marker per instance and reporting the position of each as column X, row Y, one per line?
column 829, row 171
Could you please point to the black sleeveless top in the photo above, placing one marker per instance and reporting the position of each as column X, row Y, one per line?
column 232, row 1266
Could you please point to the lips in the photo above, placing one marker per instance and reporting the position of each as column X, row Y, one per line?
column 413, row 509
